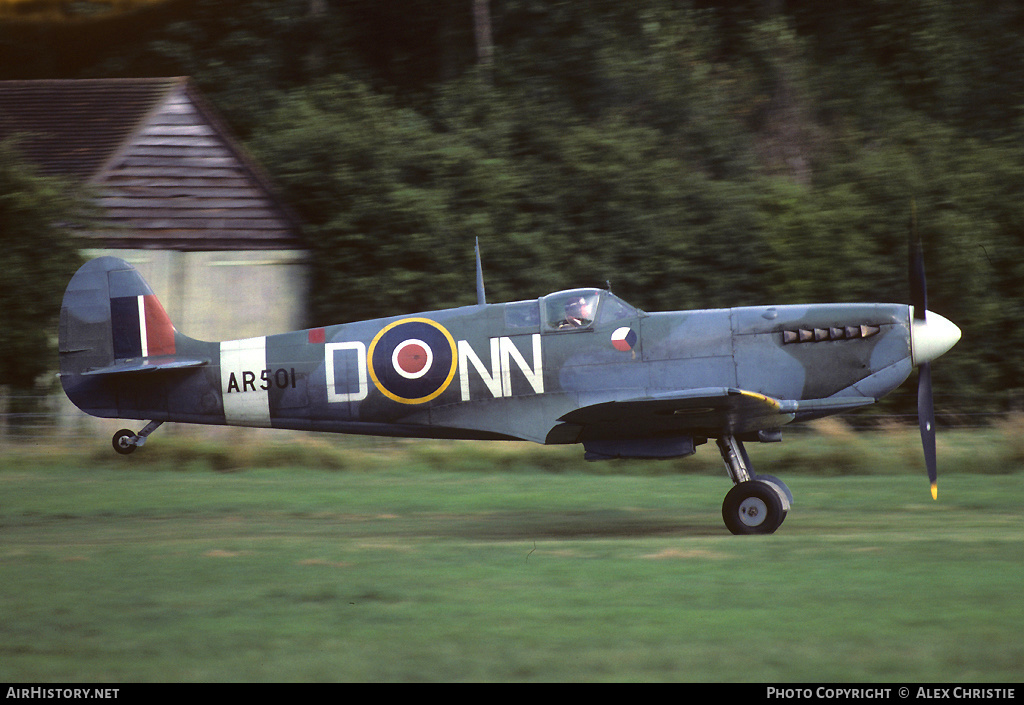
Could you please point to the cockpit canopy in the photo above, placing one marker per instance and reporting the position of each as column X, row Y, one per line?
column 581, row 309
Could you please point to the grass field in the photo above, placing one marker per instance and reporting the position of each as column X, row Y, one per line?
column 312, row 559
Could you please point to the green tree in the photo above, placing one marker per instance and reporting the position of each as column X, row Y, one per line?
column 40, row 254
column 368, row 180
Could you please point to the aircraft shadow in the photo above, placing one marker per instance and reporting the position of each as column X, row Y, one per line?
column 601, row 524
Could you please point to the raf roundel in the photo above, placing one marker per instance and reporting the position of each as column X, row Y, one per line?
column 624, row 338
column 412, row 360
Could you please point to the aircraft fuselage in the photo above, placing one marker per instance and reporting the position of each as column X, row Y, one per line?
column 509, row 370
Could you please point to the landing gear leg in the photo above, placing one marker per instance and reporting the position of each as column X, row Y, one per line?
column 736, row 460
column 756, row 504
column 126, row 441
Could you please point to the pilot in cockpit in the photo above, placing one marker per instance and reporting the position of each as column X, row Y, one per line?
column 578, row 313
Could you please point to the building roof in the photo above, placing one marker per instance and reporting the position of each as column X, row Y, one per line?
column 168, row 172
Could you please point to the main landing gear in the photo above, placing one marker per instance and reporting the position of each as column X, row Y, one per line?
column 126, row 441
column 757, row 504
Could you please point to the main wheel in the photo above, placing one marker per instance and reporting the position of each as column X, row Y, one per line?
column 122, row 441
column 753, row 507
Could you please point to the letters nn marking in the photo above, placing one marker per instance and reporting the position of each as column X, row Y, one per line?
column 498, row 379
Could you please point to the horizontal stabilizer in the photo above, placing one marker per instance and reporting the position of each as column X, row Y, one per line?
column 147, row 364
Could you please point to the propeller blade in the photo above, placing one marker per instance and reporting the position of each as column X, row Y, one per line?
column 918, row 285
column 926, row 419
column 932, row 338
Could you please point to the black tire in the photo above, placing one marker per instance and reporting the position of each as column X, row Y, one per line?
column 753, row 507
column 122, row 441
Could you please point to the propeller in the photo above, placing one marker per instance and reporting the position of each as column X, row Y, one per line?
column 931, row 336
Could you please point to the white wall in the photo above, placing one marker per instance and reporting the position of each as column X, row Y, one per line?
column 225, row 295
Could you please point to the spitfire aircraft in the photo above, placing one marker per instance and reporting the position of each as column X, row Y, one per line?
column 577, row 366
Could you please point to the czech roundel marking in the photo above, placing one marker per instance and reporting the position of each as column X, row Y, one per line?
column 412, row 360
column 624, row 338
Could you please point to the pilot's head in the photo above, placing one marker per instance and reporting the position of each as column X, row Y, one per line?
column 578, row 309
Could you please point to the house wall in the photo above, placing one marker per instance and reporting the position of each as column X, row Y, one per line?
column 225, row 295
column 181, row 201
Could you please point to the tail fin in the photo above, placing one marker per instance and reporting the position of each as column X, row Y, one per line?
column 111, row 323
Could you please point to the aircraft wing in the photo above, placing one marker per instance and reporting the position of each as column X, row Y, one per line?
column 706, row 411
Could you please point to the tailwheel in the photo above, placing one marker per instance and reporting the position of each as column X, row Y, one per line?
column 754, row 507
column 124, row 441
